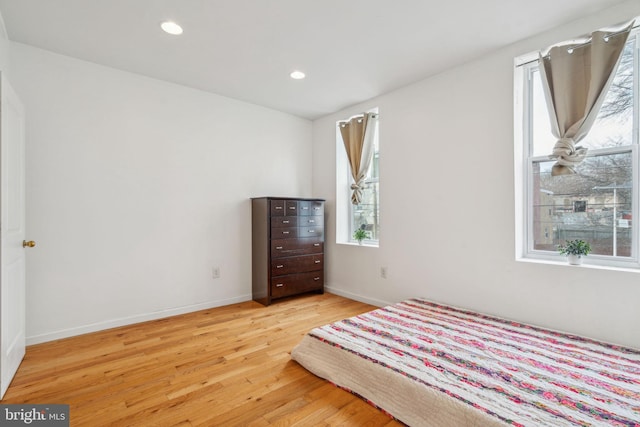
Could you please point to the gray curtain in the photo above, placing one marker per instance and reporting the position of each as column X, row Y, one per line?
column 357, row 135
column 576, row 78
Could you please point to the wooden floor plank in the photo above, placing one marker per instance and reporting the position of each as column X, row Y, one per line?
column 228, row 366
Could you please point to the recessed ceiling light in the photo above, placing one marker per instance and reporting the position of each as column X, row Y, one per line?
column 171, row 28
column 298, row 75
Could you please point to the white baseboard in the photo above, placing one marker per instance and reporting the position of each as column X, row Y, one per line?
column 356, row 297
column 123, row 321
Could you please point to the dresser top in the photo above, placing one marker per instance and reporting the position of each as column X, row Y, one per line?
column 288, row 198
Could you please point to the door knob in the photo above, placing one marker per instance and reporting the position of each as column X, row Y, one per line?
column 29, row 244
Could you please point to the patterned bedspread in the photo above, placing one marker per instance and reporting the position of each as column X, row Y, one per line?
column 434, row 365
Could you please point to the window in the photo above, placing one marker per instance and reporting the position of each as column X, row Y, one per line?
column 365, row 215
column 599, row 203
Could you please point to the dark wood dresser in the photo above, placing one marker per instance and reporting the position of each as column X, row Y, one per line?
column 287, row 247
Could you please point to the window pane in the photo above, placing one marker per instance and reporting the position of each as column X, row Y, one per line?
column 366, row 215
column 614, row 124
column 374, row 169
column 593, row 205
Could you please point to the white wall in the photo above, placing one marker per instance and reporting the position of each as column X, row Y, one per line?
column 137, row 188
column 447, row 190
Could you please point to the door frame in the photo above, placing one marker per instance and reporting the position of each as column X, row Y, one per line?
column 12, row 230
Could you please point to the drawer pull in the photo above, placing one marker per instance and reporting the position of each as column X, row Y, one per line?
column 316, row 209
column 312, row 221
column 316, row 244
column 317, row 261
column 278, row 207
column 293, row 208
column 279, row 285
column 279, row 266
column 316, row 278
column 305, row 208
column 285, row 232
column 312, row 231
column 285, row 222
column 278, row 247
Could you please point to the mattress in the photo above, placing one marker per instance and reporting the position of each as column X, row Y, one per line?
column 428, row 364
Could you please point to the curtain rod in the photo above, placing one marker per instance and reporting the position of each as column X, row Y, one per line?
column 579, row 45
column 357, row 116
column 571, row 47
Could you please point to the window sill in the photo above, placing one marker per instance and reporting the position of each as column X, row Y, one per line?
column 366, row 245
column 629, row 269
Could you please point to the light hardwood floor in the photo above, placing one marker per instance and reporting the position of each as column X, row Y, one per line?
column 227, row 366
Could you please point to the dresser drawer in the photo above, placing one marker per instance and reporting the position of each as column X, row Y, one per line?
column 297, row 264
column 311, row 231
column 276, row 208
column 309, row 207
column 284, row 207
column 291, row 207
column 284, row 233
column 311, row 221
column 284, row 221
column 296, row 283
column 292, row 247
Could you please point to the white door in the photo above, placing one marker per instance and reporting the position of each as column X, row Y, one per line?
column 12, row 251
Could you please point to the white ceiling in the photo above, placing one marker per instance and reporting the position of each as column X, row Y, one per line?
column 351, row 50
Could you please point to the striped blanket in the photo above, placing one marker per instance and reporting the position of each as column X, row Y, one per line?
column 432, row 365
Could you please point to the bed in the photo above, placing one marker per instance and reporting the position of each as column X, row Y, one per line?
column 428, row 364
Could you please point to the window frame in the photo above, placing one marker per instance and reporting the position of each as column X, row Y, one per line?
column 369, row 180
column 524, row 67
column 345, row 213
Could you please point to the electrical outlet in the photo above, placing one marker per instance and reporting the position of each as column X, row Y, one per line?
column 216, row 272
column 383, row 272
